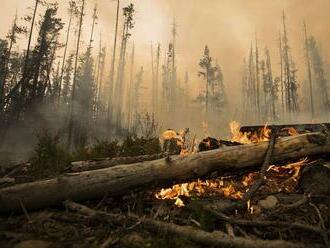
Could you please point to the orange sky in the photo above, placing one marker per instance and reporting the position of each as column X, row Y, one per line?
column 227, row 26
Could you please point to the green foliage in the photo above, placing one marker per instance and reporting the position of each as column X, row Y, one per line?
column 135, row 146
column 49, row 157
column 104, row 148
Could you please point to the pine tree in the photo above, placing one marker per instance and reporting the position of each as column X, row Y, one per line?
column 205, row 64
column 215, row 97
column 43, row 54
column 84, row 98
column 67, row 80
column 128, row 24
column 136, row 96
column 111, row 101
column 271, row 88
column 73, row 11
column 320, row 79
column 74, row 84
column 290, row 82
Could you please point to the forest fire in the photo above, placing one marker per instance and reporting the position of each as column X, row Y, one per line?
column 228, row 187
column 169, row 123
column 279, row 179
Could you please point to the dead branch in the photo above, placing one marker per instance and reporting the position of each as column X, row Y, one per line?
column 264, row 223
column 215, row 238
column 256, row 185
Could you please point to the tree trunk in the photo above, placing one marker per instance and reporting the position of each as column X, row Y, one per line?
column 71, row 113
column 119, row 179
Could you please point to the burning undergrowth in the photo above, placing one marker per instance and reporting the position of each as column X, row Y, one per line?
column 279, row 179
column 283, row 212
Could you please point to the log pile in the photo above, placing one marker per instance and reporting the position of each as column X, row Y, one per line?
column 286, row 205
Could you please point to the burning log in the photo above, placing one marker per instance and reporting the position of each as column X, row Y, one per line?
column 119, row 179
column 285, row 130
column 215, row 238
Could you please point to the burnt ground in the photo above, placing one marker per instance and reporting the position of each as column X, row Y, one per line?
column 294, row 194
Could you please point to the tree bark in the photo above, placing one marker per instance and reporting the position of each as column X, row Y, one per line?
column 119, row 179
column 110, row 162
column 283, row 129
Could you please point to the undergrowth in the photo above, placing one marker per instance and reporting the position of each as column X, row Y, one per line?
column 51, row 157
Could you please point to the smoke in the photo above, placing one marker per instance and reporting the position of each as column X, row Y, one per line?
column 227, row 26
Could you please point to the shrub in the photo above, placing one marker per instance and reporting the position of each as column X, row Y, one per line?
column 49, row 157
column 105, row 148
column 135, row 146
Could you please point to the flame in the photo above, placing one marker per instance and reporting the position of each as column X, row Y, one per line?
column 248, row 179
column 199, row 188
column 237, row 135
column 295, row 168
column 186, row 146
column 292, row 131
column 248, row 137
column 278, row 178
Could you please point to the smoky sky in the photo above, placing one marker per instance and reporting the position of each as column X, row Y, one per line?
column 227, row 26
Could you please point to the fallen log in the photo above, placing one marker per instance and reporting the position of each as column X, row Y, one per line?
column 109, row 162
column 283, row 129
column 119, row 180
column 214, row 239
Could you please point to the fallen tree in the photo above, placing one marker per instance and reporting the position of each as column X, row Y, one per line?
column 109, row 162
column 119, row 179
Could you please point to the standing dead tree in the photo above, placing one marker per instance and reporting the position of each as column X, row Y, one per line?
column 130, row 92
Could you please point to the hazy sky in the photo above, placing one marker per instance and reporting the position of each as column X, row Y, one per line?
column 227, row 26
